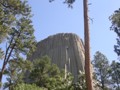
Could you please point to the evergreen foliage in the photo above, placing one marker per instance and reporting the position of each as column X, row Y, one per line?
column 115, row 20
column 68, row 2
column 102, row 69
column 81, row 83
column 24, row 86
column 115, row 75
column 47, row 75
column 16, row 72
column 16, row 30
column 42, row 75
column 115, row 66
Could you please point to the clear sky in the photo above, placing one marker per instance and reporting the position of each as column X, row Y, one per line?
column 55, row 17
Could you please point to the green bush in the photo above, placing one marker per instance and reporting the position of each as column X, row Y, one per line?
column 28, row 87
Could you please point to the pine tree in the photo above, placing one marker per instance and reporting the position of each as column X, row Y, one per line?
column 115, row 20
column 115, row 75
column 48, row 75
column 17, row 30
column 15, row 72
column 102, row 69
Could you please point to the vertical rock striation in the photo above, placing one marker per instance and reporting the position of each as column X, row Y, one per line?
column 65, row 49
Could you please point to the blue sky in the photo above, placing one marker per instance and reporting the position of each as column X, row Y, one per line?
column 55, row 17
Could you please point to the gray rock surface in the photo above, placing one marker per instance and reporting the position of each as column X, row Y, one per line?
column 65, row 49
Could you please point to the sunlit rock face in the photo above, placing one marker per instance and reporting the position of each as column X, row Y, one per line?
column 65, row 49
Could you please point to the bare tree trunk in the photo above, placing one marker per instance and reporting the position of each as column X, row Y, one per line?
column 87, row 47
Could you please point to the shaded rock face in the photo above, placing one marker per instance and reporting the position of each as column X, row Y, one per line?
column 65, row 49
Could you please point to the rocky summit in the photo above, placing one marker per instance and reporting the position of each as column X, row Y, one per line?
column 65, row 49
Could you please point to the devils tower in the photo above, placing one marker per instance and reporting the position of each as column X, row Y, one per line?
column 65, row 49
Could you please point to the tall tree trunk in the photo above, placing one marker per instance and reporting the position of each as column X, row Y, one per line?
column 88, row 73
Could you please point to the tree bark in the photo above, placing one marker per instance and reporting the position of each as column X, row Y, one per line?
column 88, row 73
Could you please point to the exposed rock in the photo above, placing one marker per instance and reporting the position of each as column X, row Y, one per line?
column 65, row 49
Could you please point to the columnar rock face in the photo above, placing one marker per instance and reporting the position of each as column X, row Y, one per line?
column 65, row 49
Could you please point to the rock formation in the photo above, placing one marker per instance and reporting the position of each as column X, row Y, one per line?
column 65, row 49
